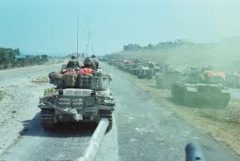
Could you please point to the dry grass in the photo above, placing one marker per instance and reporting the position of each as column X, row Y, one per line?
column 2, row 95
column 230, row 114
column 49, row 91
column 41, row 80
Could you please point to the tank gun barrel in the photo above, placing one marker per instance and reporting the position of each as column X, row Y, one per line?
column 193, row 152
column 95, row 141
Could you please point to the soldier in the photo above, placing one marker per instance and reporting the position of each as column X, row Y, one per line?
column 89, row 63
column 95, row 60
column 73, row 63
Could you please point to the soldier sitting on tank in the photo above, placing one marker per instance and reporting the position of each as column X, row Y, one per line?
column 88, row 67
column 73, row 63
column 95, row 60
column 89, row 63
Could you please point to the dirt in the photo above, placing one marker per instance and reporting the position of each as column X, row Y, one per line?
column 20, row 102
column 16, row 110
column 222, row 125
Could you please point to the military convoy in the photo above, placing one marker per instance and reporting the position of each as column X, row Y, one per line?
column 140, row 69
column 76, row 98
column 196, row 87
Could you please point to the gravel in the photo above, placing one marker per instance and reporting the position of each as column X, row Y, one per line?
column 20, row 103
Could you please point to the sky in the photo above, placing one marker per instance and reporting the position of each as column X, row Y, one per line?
column 50, row 26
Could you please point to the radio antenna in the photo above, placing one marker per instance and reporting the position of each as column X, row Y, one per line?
column 77, row 34
column 89, row 43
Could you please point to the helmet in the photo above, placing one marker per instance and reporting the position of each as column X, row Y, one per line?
column 87, row 61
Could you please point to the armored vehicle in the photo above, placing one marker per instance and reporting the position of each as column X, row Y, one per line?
column 206, row 92
column 200, row 95
column 134, row 70
column 154, row 66
column 78, row 98
column 145, row 72
column 167, row 79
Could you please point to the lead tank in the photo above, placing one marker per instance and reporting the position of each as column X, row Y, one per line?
column 77, row 98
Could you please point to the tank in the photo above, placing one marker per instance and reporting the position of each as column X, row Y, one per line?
column 154, row 66
column 145, row 72
column 166, row 80
column 200, row 95
column 206, row 92
column 134, row 70
column 77, row 98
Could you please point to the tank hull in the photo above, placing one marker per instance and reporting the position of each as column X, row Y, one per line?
column 195, row 95
column 76, row 106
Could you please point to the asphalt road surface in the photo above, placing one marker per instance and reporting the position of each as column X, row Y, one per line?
column 143, row 130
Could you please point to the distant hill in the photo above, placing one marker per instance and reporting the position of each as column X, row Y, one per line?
column 231, row 41
column 224, row 55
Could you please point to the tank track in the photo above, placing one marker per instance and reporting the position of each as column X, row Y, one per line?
column 108, row 115
column 47, row 119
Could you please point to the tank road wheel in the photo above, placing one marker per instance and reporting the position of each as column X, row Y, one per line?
column 47, row 119
column 108, row 115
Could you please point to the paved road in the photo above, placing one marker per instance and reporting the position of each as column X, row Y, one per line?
column 39, row 145
column 22, row 73
column 143, row 130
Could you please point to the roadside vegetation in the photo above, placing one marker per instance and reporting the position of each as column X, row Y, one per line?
column 2, row 94
column 41, row 80
column 49, row 91
column 12, row 58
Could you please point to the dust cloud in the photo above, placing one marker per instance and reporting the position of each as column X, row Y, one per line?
column 222, row 56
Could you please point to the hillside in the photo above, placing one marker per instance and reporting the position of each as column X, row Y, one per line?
column 224, row 55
